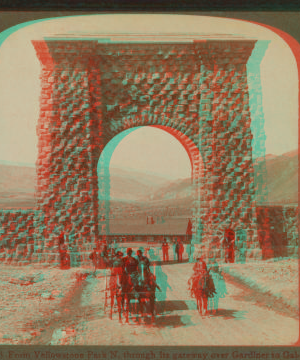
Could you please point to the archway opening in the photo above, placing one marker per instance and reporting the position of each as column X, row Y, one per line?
column 145, row 181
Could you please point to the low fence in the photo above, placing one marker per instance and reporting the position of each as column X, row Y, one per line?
column 148, row 239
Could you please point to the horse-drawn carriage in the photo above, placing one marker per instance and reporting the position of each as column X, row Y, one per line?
column 122, row 288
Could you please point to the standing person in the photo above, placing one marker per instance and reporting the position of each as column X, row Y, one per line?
column 179, row 250
column 95, row 256
column 61, row 239
column 165, row 250
column 229, row 245
column 64, row 257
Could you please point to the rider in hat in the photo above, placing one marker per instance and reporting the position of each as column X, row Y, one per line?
column 130, row 269
column 142, row 259
column 117, row 265
column 130, row 264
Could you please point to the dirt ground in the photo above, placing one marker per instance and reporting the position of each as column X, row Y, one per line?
column 46, row 305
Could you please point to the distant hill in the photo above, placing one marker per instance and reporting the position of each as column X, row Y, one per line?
column 17, row 185
column 134, row 185
column 282, row 178
column 178, row 189
column 150, row 191
column 281, row 175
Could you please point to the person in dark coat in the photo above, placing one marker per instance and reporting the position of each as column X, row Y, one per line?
column 65, row 260
column 61, row 239
column 130, row 264
column 142, row 259
column 95, row 256
column 143, row 265
column 165, row 250
column 130, row 270
column 229, row 245
column 117, row 266
column 179, row 250
column 64, row 256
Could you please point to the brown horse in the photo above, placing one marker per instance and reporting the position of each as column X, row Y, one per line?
column 201, row 287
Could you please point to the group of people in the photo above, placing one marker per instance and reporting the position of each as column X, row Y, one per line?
column 178, row 250
column 207, row 286
column 131, row 272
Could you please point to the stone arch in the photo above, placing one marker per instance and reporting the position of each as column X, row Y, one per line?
column 92, row 91
column 191, row 149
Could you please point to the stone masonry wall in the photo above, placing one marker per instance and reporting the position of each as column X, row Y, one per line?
column 92, row 92
column 279, row 224
column 16, row 235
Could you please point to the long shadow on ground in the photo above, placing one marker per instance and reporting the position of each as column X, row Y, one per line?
column 70, row 312
column 262, row 299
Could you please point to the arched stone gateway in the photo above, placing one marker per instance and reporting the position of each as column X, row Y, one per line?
column 92, row 91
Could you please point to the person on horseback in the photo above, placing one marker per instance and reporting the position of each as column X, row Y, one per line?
column 130, row 270
column 130, row 264
column 142, row 259
column 116, row 265
column 143, row 267
column 201, row 285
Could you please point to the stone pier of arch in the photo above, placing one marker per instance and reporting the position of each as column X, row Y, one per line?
column 92, row 91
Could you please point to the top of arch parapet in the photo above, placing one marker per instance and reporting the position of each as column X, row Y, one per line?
column 60, row 48
column 152, row 38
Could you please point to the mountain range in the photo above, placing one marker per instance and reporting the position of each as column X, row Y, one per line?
column 17, row 184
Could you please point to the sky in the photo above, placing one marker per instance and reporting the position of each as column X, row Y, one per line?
column 155, row 151
column 20, row 84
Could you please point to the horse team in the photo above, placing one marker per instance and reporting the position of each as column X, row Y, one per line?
column 131, row 280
